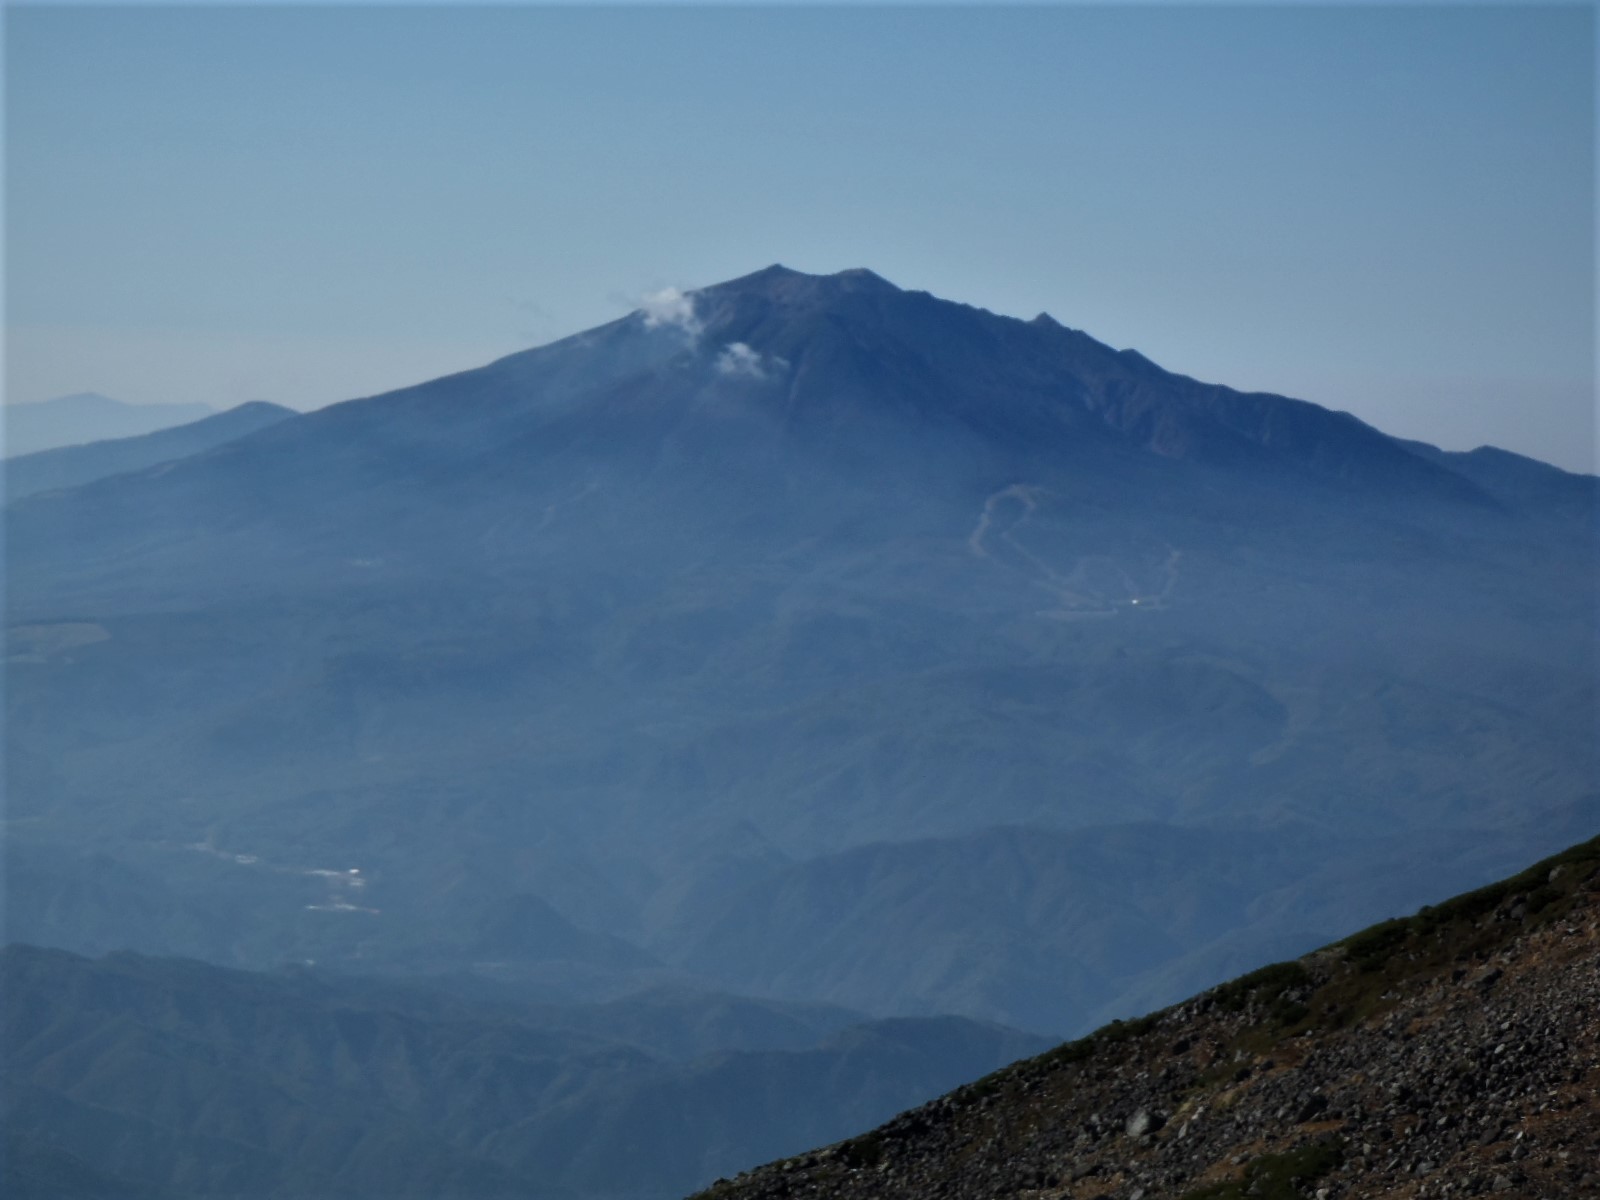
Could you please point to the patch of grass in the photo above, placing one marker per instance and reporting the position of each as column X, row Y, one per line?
column 1107, row 1035
column 1278, row 1176
column 1286, row 1014
column 1264, row 986
column 1541, row 898
column 1071, row 1052
column 1123, row 1031
column 1371, row 948
column 863, row 1151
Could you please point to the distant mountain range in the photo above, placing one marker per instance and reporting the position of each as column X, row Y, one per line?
column 73, row 466
column 800, row 637
column 87, row 417
column 130, row 1076
column 1457, row 1047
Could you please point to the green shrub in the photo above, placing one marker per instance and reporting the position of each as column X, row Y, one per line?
column 1266, row 985
column 864, row 1151
column 1278, row 1176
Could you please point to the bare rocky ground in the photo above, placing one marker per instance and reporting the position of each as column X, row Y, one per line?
column 1453, row 1053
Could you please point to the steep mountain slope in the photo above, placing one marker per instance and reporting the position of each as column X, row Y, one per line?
column 175, row 1078
column 789, row 582
column 87, row 417
column 1456, row 1052
column 72, row 466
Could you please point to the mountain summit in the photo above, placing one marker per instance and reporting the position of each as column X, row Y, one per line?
column 835, row 342
column 855, row 336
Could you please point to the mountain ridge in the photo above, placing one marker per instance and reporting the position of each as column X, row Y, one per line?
column 74, row 466
column 174, row 1077
column 85, row 417
column 1267, row 420
column 1121, row 390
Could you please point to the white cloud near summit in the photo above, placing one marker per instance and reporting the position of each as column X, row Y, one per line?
column 670, row 307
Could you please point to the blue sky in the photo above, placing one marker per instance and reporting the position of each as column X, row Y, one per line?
column 1383, row 209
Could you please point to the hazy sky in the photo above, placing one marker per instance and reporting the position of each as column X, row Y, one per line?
column 1383, row 209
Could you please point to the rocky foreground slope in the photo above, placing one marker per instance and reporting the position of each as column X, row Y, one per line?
column 1453, row 1053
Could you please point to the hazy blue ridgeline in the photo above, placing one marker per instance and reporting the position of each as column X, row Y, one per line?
column 84, row 418
column 75, row 465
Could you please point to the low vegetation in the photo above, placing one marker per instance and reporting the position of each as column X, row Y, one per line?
column 1278, row 1176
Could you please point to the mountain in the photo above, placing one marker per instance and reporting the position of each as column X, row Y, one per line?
column 800, row 636
column 87, row 417
column 1518, row 479
column 71, row 466
column 1450, row 1053
column 138, row 1076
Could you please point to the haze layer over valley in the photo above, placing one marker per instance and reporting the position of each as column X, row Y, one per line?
column 802, row 637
